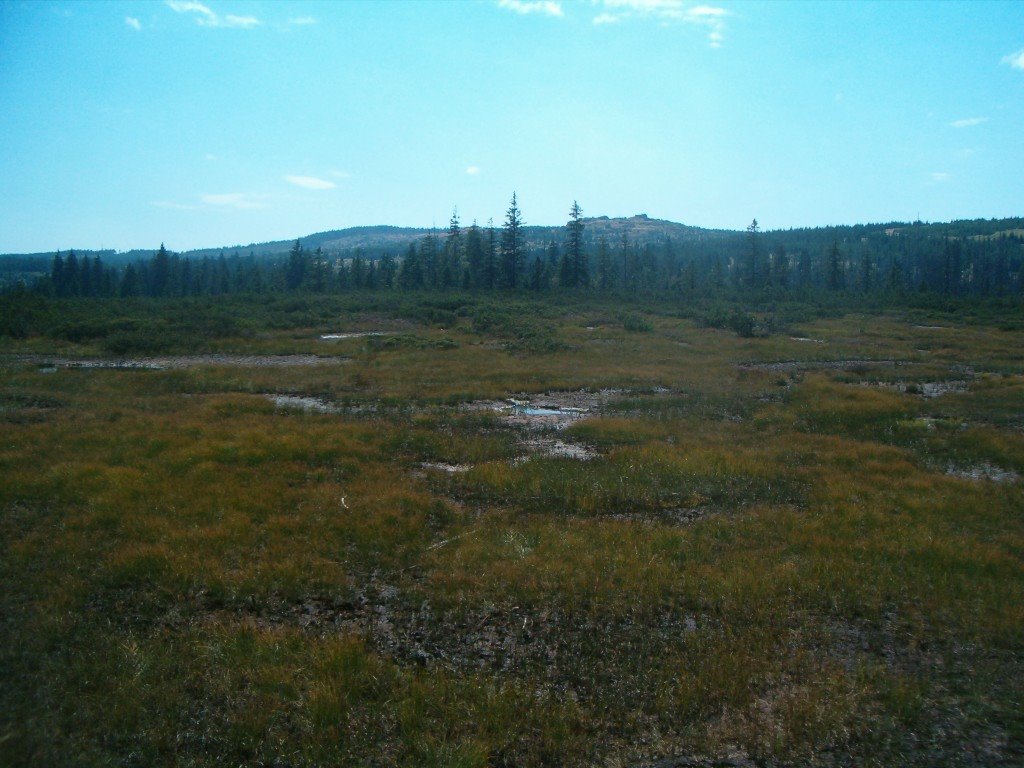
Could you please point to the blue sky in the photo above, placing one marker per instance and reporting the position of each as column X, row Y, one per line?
column 123, row 125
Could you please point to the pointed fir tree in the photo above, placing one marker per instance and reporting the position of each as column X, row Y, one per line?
column 605, row 270
column 836, row 277
column 491, row 257
column 453, row 252
column 295, row 269
column 475, row 256
column 512, row 250
column 57, row 276
column 578, row 274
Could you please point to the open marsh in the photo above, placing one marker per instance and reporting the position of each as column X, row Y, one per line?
column 610, row 548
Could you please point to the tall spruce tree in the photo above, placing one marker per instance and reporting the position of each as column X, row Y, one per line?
column 295, row 270
column 512, row 250
column 605, row 270
column 452, row 272
column 475, row 256
column 491, row 257
column 57, row 276
column 410, row 273
column 753, row 277
column 160, row 273
column 576, row 273
column 836, row 273
column 430, row 260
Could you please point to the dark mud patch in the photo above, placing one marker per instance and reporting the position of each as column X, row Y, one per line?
column 931, row 389
column 23, row 408
column 673, row 516
column 506, row 637
column 733, row 760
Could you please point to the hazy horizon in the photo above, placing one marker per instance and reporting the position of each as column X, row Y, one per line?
column 200, row 124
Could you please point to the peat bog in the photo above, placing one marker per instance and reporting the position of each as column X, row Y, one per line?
column 665, row 544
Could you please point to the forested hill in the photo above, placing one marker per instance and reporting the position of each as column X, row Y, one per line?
column 639, row 230
column 636, row 254
column 372, row 241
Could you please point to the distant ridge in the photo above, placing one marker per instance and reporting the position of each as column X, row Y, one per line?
column 639, row 229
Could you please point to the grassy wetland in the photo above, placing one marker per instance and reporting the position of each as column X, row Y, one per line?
column 511, row 533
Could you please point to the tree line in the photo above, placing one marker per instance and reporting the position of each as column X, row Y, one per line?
column 955, row 261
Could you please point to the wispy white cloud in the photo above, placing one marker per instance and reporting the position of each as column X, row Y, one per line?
column 302, row 21
column 967, row 122
column 237, row 200
column 174, row 206
column 543, row 7
column 473, row 170
column 711, row 18
column 706, row 12
column 310, row 182
column 341, row 174
column 245, row 22
column 134, row 23
column 192, row 6
column 1015, row 60
column 205, row 16
column 939, row 176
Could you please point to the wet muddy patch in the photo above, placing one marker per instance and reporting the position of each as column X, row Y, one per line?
column 925, row 389
column 787, row 366
column 983, row 472
column 960, row 381
column 303, row 403
column 354, row 335
column 554, row 448
column 551, row 410
column 172, row 362
column 673, row 516
column 441, row 466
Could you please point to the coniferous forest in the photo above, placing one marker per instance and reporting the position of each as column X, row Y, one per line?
column 967, row 259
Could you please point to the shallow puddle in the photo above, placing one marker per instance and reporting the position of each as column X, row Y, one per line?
column 552, row 410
